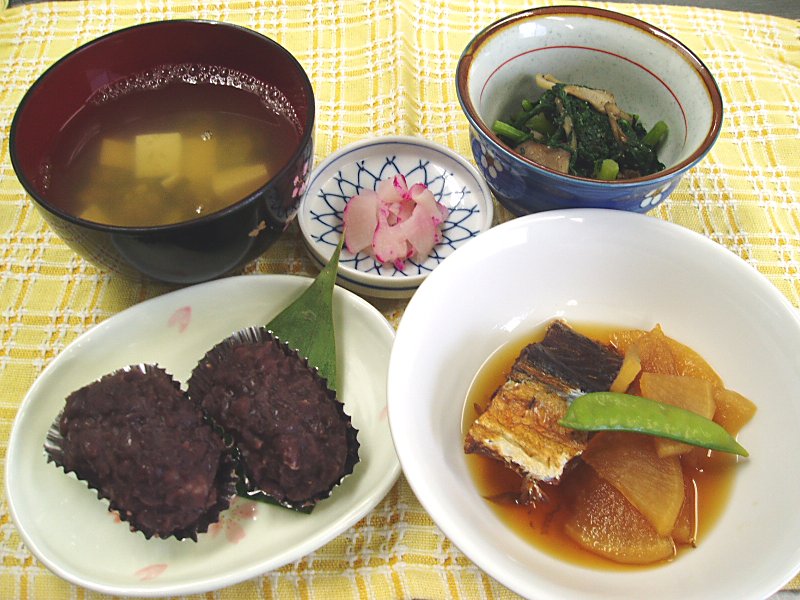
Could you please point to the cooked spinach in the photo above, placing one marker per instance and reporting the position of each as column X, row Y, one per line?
column 602, row 144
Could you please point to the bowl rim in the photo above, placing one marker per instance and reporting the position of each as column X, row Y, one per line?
column 711, row 86
column 372, row 280
column 41, row 202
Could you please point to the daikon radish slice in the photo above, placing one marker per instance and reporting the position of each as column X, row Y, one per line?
column 604, row 522
column 685, row 531
column 690, row 393
column 631, row 367
column 623, row 339
column 733, row 410
column 661, row 354
column 653, row 485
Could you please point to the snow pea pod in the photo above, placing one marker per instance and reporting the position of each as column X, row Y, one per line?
column 613, row 411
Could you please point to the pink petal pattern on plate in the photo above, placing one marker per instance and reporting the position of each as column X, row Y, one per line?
column 181, row 318
column 151, row 572
column 230, row 522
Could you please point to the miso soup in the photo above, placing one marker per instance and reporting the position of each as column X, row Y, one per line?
column 171, row 146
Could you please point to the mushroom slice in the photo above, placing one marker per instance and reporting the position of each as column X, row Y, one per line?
column 552, row 158
column 614, row 113
column 569, row 127
column 599, row 99
column 546, row 82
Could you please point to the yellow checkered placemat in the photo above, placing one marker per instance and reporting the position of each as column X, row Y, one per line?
column 379, row 68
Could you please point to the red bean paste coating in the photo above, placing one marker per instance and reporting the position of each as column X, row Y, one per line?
column 292, row 437
column 142, row 444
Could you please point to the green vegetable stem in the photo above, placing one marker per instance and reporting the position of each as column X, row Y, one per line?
column 512, row 134
column 653, row 137
column 608, row 170
column 541, row 124
column 612, row 411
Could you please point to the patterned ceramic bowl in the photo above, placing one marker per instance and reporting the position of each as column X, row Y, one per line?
column 361, row 166
column 650, row 73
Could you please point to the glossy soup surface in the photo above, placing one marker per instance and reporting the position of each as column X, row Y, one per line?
column 542, row 525
column 171, row 151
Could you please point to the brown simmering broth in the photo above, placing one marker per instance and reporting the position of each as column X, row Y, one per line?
column 542, row 525
column 170, row 149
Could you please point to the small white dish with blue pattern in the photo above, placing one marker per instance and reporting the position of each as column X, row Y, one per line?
column 454, row 182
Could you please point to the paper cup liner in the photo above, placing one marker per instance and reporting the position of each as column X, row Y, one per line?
column 295, row 441
column 125, row 437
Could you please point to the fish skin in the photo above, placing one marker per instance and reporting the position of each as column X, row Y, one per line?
column 577, row 360
column 520, row 426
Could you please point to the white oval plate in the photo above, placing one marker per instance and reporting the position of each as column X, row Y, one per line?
column 619, row 269
column 69, row 530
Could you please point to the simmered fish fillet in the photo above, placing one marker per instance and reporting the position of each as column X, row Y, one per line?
column 520, row 425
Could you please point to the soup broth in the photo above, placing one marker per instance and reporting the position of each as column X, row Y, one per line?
column 542, row 524
column 170, row 149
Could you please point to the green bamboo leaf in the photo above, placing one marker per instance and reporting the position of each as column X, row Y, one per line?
column 307, row 323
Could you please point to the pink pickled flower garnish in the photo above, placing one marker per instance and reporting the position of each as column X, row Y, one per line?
column 389, row 241
column 394, row 222
column 361, row 219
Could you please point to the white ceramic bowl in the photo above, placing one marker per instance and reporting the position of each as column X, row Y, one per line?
column 616, row 268
column 651, row 74
column 362, row 165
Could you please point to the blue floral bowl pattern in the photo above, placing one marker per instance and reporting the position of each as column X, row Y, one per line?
column 522, row 190
column 649, row 72
column 361, row 166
